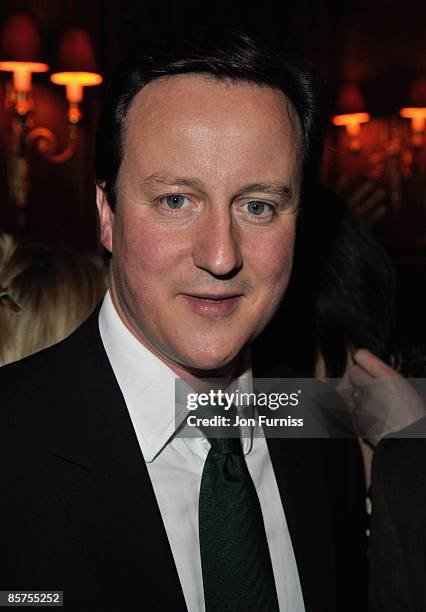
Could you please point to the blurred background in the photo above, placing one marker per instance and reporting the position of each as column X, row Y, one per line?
column 369, row 58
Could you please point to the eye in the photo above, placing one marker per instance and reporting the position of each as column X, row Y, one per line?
column 174, row 202
column 260, row 209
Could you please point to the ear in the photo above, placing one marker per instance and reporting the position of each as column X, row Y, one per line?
column 106, row 217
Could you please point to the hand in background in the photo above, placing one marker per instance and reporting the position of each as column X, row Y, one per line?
column 383, row 400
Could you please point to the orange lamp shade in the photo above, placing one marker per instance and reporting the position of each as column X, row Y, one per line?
column 74, row 83
column 20, row 39
column 417, row 94
column 351, row 113
column 22, row 72
column 352, row 123
column 78, row 65
column 350, row 100
column 75, row 52
column 351, row 119
column 20, row 47
column 417, row 116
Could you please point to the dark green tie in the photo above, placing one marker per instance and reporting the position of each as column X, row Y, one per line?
column 237, row 569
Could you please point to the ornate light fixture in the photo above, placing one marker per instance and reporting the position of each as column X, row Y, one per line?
column 21, row 45
column 351, row 115
column 387, row 148
column 417, row 112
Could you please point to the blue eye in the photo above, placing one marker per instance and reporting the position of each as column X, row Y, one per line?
column 175, row 202
column 259, row 208
column 256, row 208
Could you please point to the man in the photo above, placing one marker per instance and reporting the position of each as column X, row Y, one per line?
column 203, row 150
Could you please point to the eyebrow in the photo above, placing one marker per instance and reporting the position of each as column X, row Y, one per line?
column 170, row 181
column 279, row 189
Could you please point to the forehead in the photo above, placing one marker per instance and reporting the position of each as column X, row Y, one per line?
column 198, row 116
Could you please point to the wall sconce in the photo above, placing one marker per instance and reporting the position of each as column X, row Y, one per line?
column 78, row 69
column 21, row 43
column 418, row 117
column 387, row 149
column 351, row 114
column 417, row 112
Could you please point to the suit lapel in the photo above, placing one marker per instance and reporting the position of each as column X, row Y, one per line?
column 102, row 480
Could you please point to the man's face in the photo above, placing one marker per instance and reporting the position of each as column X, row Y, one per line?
column 203, row 233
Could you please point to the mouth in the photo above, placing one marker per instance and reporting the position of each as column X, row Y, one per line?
column 211, row 305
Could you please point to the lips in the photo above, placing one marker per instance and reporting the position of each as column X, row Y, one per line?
column 213, row 305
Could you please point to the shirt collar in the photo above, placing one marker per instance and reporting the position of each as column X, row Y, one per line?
column 147, row 384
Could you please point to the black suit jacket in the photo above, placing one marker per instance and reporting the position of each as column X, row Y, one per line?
column 398, row 530
column 78, row 511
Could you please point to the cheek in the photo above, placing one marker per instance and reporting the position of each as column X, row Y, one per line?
column 146, row 247
column 146, row 260
column 273, row 263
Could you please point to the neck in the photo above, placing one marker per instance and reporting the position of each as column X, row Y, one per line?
column 221, row 378
column 199, row 380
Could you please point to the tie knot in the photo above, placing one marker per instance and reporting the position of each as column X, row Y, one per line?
column 223, row 439
column 226, row 446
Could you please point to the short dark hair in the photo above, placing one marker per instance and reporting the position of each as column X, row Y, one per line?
column 225, row 55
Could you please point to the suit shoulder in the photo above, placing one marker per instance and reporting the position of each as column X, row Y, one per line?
column 27, row 387
column 25, row 376
column 33, row 373
column 23, row 405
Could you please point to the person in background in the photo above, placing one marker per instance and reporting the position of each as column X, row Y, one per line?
column 45, row 294
column 358, row 331
column 338, row 321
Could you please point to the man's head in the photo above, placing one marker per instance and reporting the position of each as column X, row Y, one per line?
column 201, row 154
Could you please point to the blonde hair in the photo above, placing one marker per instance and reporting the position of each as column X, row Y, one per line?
column 45, row 294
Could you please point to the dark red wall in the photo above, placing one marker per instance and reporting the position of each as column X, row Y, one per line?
column 376, row 43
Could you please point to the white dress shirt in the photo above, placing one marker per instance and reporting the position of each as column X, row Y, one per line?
column 175, row 465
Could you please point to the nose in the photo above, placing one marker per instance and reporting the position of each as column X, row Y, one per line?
column 218, row 250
